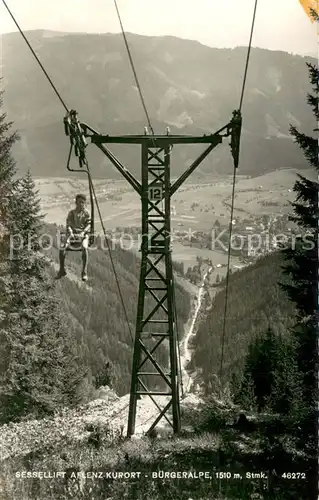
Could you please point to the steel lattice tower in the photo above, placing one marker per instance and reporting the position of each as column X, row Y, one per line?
column 155, row 358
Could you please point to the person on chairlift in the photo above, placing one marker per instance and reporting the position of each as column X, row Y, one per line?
column 78, row 225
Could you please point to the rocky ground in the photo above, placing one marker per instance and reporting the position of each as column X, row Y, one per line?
column 108, row 412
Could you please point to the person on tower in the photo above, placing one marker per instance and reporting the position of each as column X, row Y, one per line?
column 78, row 225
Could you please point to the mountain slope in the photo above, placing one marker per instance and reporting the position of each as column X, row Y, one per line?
column 187, row 85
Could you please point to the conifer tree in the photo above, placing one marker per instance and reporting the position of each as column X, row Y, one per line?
column 260, row 366
column 39, row 371
column 7, row 172
column 286, row 394
column 271, row 377
column 7, row 183
column 302, row 262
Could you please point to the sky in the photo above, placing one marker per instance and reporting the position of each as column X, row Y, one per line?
column 280, row 24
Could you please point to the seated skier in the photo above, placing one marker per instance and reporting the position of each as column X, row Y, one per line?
column 78, row 225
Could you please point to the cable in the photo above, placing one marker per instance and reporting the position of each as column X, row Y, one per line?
column 178, row 340
column 110, row 253
column 248, row 55
column 134, row 73
column 133, row 68
column 36, row 57
column 227, row 274
column 233, row 196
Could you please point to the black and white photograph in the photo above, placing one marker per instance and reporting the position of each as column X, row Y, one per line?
column 159, row 249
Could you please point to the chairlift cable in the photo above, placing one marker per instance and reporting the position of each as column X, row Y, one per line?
column 133, row 68
column 248, row 56
column 233, row 194
column 110, row 253
column 178, row 341
column 36, row 57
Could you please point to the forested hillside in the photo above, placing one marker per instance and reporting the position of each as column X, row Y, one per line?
column 96, row 313
column 255, row 302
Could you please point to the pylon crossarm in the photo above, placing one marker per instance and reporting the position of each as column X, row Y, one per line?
column 82, row 131
column 160, row 141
